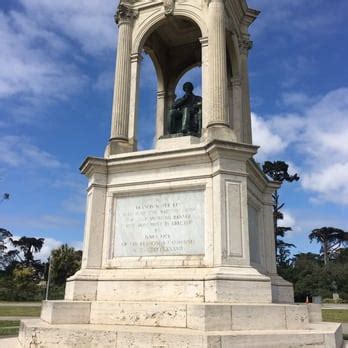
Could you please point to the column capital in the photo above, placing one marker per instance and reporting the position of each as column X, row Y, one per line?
column 125, row 14
column 245, row 44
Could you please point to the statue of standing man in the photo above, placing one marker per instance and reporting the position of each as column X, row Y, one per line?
column 185, row 116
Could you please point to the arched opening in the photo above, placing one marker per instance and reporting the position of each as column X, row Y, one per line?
column 174, row 47
column 146, row 125
column 194, row 75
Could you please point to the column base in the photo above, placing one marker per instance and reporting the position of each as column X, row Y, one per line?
column 219, row 132
column 117, row 146
column 282, row 290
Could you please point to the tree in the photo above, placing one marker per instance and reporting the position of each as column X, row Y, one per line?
column 29, row 246
column 7, row 255
column 66, row 261
column 279, row 171
column 331, row 240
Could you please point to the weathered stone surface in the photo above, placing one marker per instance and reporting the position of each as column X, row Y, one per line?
column 66, row 312
column 139, row 314
column 160, row 224
column 49, row 336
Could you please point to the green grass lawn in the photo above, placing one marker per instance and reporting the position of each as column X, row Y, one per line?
column 9, row 327
column 20, row 311
column 335, row 315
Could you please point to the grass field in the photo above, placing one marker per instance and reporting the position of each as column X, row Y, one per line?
column 20, row 311
column 9, row 327
column 335, row 315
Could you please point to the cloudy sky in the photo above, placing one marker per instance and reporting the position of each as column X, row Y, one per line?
column 56, row 79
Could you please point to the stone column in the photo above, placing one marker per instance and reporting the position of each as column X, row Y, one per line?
column 161, row 119
column 121, row 105
column 217, row 65
column 205, row 82
column 237, row 117
column 245, row 45
column 136, row 60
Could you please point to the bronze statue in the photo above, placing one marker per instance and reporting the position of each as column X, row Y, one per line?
column 185, row 116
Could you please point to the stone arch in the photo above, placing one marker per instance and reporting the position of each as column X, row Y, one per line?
column 155, row 21
column 174, row 46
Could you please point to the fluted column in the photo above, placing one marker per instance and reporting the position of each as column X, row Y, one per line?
column 121, row 103
column 245, row 45
column 217, row 65
column 136, row 60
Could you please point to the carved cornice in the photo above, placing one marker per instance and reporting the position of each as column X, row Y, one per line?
column 168, row 7
column 125, row 13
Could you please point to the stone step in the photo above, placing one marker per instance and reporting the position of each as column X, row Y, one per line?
column 208, row 317
column 328, row 335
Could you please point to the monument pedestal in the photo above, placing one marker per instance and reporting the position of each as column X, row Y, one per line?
column 175, row 255
column 179, row 325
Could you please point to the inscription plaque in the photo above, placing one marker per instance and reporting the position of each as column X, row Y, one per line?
column 160, row 224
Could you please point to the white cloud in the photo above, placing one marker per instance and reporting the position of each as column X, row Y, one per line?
column 48, row 246
column 270, row 143
column 90, row 23
column 43, row 47
column 288, row 220
column 51, row 244
column 319, row 138
column 331, row 183
column 297, row 99
column 298, row 18
column 16, row 151
column 28, row 66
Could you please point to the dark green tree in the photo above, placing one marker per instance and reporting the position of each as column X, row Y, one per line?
column 7, row 255
column 29, row 246
column 279, row 171
column 331, row 239
column 66, row 261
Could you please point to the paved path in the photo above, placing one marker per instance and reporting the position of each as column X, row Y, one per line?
column 9, row 343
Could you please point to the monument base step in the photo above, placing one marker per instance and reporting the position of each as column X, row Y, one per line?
column 36, row 333
column 206, row 316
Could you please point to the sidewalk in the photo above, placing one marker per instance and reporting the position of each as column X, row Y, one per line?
column 9, row 343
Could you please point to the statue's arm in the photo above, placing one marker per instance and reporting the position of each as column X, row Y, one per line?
column 180, row 102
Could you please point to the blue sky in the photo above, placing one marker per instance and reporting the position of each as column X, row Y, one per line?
column 56, row 78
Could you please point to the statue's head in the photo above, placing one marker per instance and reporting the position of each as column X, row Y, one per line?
column 187, row 87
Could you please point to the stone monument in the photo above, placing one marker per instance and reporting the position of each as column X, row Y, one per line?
column 179, row 243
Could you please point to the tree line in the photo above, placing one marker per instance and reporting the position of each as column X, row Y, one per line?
column 312, row 274
column 23, row 277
